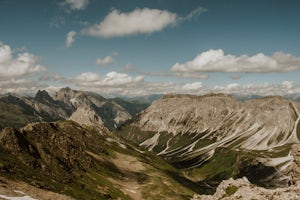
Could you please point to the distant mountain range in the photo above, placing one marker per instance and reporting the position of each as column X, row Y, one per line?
column 83, row 107
column 85, row 146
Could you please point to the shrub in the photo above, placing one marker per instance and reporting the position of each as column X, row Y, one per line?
column 230, row 190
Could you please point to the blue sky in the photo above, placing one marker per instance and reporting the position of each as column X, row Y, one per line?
column 140, row 47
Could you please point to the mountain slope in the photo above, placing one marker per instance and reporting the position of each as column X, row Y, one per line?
column 14, row 112
column 84, row 163
column 193, row 132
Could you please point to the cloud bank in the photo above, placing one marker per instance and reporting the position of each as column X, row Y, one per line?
column 284, row 88
column 217, row 61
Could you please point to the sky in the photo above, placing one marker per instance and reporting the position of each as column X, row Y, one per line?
column 140, row 47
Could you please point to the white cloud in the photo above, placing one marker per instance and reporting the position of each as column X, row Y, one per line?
column 265, row 89
column 288, row 85
column 105, row 61
column 194, row 13
column 22, row 86
column 139, row 21
column 70, row 38
column 114, row 78
column 110, row 79
column 76, row 4
column 217, row 61
column 192, row 86
column 23, row 64
column 89, row 77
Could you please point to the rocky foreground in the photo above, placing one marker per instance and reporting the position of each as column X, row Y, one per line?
column 244, row 190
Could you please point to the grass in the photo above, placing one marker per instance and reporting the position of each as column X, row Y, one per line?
column 221, row 166
column 230, row 190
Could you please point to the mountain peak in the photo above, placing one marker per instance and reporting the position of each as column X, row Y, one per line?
column 43, row 95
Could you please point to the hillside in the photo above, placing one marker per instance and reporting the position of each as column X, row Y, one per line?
column 214, row 137
column 83, row 163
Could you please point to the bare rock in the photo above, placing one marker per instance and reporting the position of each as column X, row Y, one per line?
column 242, row 189
column 295, row 166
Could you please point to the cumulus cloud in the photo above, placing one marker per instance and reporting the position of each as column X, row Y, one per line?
column 16, row 66
column 70, row 38
column 89, row 77
column 217, row 61
column 192, row 86
column 76, row 4
column 105, row 61
column 114, row 78
column 139, row 21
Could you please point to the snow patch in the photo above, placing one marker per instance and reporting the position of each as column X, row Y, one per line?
column 151, row 142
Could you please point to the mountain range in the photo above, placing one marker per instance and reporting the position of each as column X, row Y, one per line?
column 80, row 106
column 80, row 145
column 215, row 137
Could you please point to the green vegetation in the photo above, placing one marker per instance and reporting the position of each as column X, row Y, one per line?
column 230, row 190
column 66, row 158
column 14, row 116
column 220, row 167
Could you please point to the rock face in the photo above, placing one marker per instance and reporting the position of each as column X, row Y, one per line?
column 192, row 131
column 242, row 189
column 110, row 112
column 85, row 116
column 264, row 123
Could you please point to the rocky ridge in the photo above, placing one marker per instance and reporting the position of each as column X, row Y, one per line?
column 192, row 131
